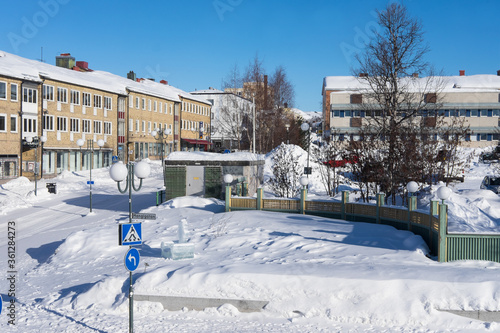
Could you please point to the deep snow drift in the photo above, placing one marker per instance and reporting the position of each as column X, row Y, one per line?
column 317, row 274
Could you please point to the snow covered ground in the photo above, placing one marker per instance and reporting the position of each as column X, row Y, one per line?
column 318, row 274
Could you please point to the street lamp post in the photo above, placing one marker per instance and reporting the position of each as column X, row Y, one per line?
column 90, row 147
column 119, row 172
column 162, row 135
column 35, row 142
column 305, row 127
column 287, row 133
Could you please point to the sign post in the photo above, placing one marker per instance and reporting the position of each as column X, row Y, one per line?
column 131, row 234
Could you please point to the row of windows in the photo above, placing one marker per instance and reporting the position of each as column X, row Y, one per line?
column 146, row 127
column 150, row 105
column 422, row 113
column 51, row 123
column 195, row 126
column 435, row 137
column 195, row 108
column 61, row 95
column 29, row 124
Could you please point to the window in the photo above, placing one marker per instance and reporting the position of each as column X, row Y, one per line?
column 108, row 103
column 131, row 102
column 29, row 125
column 62, row 95
column 131, row 124
column 149, row 127
column 149, row 105
column 13, row 123
column 98, row 101
column 155, row 106
column 74, row 125
column 137, row 125
column 137, row 102
column 170, row 108
column 86, row 126
column 144, row 126
column 62, row 123
column 29, row 95
column 3, row 90
column 48, row 123
column 86, row 99
column 3, row 123
column 75, row 97
column 161, row 107
column 143, row 104
column 121, row 104
column 108, row 126
column 13, row 92
column 97, row 127
column 48, row 93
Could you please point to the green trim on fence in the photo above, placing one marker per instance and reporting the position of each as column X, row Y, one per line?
column 432, row 228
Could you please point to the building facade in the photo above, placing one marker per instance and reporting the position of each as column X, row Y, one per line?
column 46, row 110
column 229, row 112
column 474, row 98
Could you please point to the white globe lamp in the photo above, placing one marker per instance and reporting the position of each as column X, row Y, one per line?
column 118, row 172
column 142, row 170
column 412, row 187
column 228, row 179
column 443, row 193
column 304, row 181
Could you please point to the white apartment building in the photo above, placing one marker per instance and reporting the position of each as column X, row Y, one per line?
column 230, row 110
column 475, row 98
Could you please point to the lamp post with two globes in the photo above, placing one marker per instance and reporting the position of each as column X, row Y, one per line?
column 35, row 142
column 120, row 172
column 162, row 135
column 90, row 147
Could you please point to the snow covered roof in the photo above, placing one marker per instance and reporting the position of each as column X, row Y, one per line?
column 471, row 83
column 207, row 156
column 208, row 91
column 25, row 69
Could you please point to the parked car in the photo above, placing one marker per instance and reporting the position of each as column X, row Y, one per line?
column 490, row 157
column 491, row 183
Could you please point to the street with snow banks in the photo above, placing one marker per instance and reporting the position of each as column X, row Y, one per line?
column 316, row 274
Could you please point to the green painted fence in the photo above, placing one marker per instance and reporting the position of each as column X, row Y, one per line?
column 431, row 226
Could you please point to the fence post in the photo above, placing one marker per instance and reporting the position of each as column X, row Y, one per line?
column 260, row 195
column 303, row 198
column 443, row 230
column 380, row 203
column 228, row 198
column 345, row 199
column 412, row 205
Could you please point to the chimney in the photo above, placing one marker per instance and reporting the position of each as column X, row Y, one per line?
column 415, row 75
column 131, row 76
column 165, row 82
column 462, row 72
column 363, row 74
column 498, row 73
column 82, row 65
column 65, row 60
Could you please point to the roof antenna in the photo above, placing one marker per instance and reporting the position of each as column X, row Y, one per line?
column 41, row 54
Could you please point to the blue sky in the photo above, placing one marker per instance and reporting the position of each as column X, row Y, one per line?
column 195, row 44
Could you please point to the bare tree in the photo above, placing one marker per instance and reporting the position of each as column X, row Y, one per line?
column 399, row 104
column 286, row 172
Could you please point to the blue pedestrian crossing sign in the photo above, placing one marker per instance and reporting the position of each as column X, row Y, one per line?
column 132, row 259
column 130, row 233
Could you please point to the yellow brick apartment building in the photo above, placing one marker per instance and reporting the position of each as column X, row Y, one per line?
column 46, row 111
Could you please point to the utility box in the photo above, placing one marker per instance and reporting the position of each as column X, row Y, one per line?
column 201, row 174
